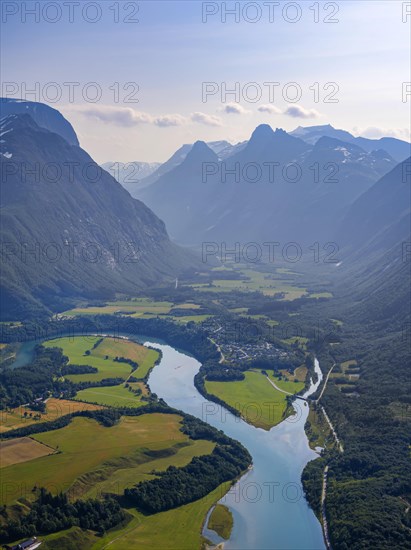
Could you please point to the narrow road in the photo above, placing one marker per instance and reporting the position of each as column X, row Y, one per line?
column 277, row 388
column 325, row 382
column 222, row 358
column 323, row 514
column 339, row 444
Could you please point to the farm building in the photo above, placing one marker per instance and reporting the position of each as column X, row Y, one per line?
column 29, row 544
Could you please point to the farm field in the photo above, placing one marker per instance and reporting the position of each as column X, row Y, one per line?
column 179, row 528
column 300, row 340
column 254, row 397
column 266, row 283
column 111, row 396
column 286, row 385
column 138, row 307
column 135, row 306
column 142, row 355
column 21, row 449
column 349, row 371
column 300, row 374
column 186, row 306
column 187, row 318
column 89, row 451
column 11, row 420
column 126, row 475
column 321, row 295
column 76, row 347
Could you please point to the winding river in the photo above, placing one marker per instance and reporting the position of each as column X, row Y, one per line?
column 268, row 505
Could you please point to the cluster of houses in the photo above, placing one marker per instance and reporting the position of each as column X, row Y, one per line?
column 228, row 338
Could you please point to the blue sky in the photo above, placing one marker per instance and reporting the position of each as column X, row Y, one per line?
column 171, row 51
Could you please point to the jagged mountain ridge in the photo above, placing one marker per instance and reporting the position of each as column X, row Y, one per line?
column 399, row 150
column 277, row 187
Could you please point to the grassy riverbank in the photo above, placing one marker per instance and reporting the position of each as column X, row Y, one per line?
column 257, row 401
column 221, row 521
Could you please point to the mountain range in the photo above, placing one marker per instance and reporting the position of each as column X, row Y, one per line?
column 148, row 173
column 275, row 187
column 397, row 148
column 69, row 230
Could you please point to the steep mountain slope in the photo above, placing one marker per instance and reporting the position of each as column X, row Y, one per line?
column 396, row 148
column 43, row 115
column 375, row 243
column 381, row 217
column 69, row 229
column 275, row 188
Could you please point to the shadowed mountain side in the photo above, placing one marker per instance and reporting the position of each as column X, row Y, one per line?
column 69, row 229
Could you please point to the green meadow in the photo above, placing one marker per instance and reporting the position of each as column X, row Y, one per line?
column 111, row 396
column 187, row 318
column 102, row 356
column 258, row 402
column 221, row 521
column 179, row 528
column 137, row 306
column 266, row 283
column 90, row 455
column 286, row 385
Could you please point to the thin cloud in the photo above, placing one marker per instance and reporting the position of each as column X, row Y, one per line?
column 375, row 132
column 270, row 109
column 235, row 109
column 127, row 117
column 296, row 111
column 208, row 120
column 169, row 120
column 120, row 116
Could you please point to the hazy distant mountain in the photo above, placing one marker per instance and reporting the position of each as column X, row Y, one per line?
column 43, row 115
column 398, row 149
column 69, row 229
column 223, row 149
column 131, row 174
column 276, row 187
column 219, row 146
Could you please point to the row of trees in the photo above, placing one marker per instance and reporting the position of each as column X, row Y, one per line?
column 178, row 486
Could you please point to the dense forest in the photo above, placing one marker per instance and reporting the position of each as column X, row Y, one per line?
column 50, row 514
column 37, row 380
column 178, row 486
column 369, row 484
